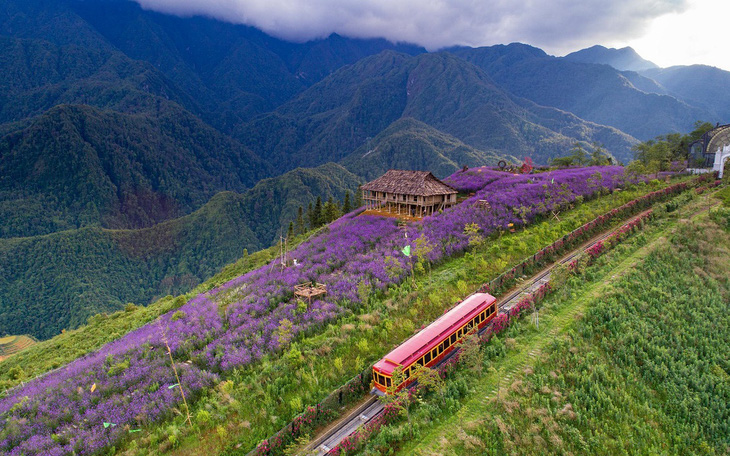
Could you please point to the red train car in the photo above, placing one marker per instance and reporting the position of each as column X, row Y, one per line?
column 437, row 340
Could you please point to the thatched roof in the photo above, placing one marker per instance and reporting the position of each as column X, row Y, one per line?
column 421, row 183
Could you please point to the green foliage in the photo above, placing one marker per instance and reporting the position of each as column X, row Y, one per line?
column 643, row 372
column 57, row 281
column 410, row 144
column 472, row 230
column 657, row 154
column 580, row 157
column 307, row 370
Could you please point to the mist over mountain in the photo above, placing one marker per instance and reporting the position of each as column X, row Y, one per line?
column 625, row 59
column 595, row 92
column 117, row 119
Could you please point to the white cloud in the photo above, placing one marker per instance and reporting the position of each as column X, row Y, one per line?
column 558, row 26
column 697, row 35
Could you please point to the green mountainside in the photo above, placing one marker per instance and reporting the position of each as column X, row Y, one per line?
column 117, row 117
column 334, row 117
column 701, row 85
column 59, row 280
column 76, row 166
column 598, row 93
column 410, row 144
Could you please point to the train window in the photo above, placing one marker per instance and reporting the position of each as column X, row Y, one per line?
column 453, row 339
column 388, row 383
column 420, row 362
column 427, row 358
column 435, row 352
column 407, row 373
column 459, row 333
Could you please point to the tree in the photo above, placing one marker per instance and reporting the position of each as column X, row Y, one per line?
column 579, row 155
column 470, row 352
column 428, row 379
column 599, row 155
column 655, row 155
column 563, row 162
column 300, row 221
column 472, row 231
column 358, row 197
column 346, row 205
column 317, row 219
column 290, row 231
column 421, row 249
column 330, row 212
column 398, row 399
column 310, row 217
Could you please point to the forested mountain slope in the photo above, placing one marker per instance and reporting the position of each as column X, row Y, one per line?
column 598, row 93
column 76, row 166
column 337, row 115
column 57, row 281
column 410, row 144
column 701, row 85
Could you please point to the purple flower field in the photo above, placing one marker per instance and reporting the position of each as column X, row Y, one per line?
column 255, row 314
column 474, row 179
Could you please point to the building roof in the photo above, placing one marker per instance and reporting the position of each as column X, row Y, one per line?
column 421, row 183
column 432, row 335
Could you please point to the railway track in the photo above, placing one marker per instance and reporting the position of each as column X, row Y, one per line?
column 372, row 406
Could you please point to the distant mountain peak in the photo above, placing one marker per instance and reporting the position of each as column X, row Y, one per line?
column 624, row 59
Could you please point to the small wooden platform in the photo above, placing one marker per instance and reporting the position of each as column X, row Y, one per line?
column 309, row 290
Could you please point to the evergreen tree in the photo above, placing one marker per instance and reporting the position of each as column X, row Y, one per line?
column 317, row 215
column 290, row 232
column 310, row 217
column 331, row 211
column 358, row 197
column 346, row 206
column 300, row 221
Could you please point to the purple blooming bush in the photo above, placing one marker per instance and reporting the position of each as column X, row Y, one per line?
column 257, row 313
column 474, row 179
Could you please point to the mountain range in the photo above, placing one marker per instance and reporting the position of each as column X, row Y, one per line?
column 139, row 151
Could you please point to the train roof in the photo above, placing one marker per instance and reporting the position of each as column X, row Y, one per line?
column 430, row 336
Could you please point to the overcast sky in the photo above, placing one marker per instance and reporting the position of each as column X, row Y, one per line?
column 667, row 32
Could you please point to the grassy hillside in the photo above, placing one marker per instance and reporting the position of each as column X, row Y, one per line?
column 628, row 358
column 104, row 328
column 57, row 281
column 306, row 371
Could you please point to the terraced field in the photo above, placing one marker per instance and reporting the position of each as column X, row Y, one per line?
column 11, row 345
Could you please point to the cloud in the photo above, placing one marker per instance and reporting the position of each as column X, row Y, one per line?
column 557, row 26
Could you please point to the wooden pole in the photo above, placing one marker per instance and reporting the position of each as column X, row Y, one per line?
column 177, row 377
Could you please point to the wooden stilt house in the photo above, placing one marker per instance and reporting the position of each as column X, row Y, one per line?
column 411, row 193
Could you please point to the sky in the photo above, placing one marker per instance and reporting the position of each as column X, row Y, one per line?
column 666, row 32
